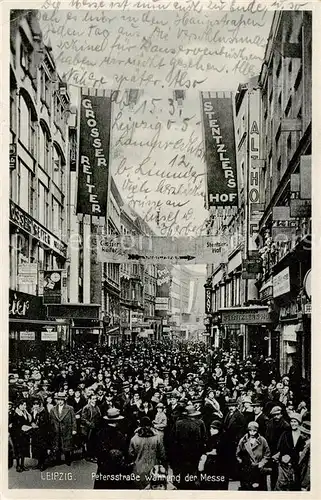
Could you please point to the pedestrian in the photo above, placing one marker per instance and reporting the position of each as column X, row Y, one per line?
column 64, row 427
column 146, row 450
column 20, row 433
column 40, row 434
column 304, row 460
column 160, row 420
column 274, row 429
column 188, row 440
column 90, row 422
column 211, row 409
column 159, row 479
column 290, row 445
column 260, row 417
column 215, row 461
column 234, row 426
column 253, row 454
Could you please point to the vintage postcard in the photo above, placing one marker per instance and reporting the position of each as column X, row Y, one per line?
column 160, row 245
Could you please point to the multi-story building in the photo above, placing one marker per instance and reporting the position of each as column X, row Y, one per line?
column 186, row 302
column 39, row 180
column 285, row 227
column 270, row 236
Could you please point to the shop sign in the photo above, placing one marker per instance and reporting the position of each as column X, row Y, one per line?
column 12, row 156
column 289, row 311
column 137, row 317
column 27, row 335
column 289, row 333
column 28, row 274
column 166, row 329
column 25, row 306
column 52, row 287
column 208, row 300
column 149, row 331
column 281, row 283
column 51, row 336
column 36, row 230
column 161, row 303
column 244, row 315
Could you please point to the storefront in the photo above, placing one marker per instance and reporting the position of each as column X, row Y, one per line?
column 31, row 332
column 84, row 320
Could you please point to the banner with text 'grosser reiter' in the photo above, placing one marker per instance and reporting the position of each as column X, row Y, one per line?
column 94, row 142
column 220, row 151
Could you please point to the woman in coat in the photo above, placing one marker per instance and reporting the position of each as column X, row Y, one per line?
column 20, row 433
column 290, row 445
column 40, row 435
column 214, row 461
column 146, row 450
column 211, row 410
column 253, row 453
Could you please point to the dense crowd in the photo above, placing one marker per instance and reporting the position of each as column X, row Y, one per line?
column 160, row 415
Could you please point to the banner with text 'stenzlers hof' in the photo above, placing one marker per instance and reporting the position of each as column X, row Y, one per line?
column 220, row 151
column 94, row 142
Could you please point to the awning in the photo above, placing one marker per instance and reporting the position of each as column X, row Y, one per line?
column 113, row 331
column 38, row 321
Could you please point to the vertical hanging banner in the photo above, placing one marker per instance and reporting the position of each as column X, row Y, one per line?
column 52, row 286
column 94, row 142
column 254, row 196
column 163, row 284
column 220, row 151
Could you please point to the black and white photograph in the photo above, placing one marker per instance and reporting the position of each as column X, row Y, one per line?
column 160, row 243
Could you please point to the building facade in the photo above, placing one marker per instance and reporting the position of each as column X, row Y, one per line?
column 39, row 188
column 265, row 270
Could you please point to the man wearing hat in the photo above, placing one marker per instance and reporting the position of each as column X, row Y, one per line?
column 304, row 460
column 63, row 422
column 290, row 445
column 189, row 438
column 259, row 416
column 274, row 430
column 234, row 425
column 90, row 421
column 253, row 454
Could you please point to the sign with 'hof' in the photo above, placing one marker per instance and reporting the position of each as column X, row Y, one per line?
column 93, row 173
column 220, row 151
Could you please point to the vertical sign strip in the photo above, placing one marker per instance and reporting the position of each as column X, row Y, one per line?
column 94, row 143
column 220, row 151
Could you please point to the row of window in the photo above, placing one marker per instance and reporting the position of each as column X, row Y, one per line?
column 36, row 199
column 228, row 294
column 25, row 125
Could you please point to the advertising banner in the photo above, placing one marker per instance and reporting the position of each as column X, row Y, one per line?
column 208, row 300
column 281, row 283
column 163, row 284
column 220, row 153
column 94, row 142
column 52, row 287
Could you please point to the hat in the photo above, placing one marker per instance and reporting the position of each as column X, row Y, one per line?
column 276, row 410
column 190, row 375
column 145, row 422
column 125, row 384
column 247, row 399
column 231, row 402
column 306, row 427
column 253, row 425
column 279, row 385
column 160, row 405
column 61, row 395
column 216, row 424
column 100, row 387
column 191, row 411
column 113, row 414
column 295, row 416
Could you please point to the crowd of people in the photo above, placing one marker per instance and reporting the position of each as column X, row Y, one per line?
column 162, row 415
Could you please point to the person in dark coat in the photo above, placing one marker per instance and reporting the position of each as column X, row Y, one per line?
column 111, row 440
column 253, row 454
column 188, row 441
column 90, row 421
column 64, row 427
column 214, row 461
column 40, row 434
column 20, row 433
column 304, row 460
column 114, row 465
column 260, row 417
column 234, row 425
column 274, row 429
column 290, row 445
